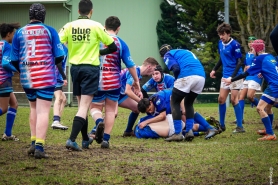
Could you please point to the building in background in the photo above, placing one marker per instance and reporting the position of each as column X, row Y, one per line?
column 138, row 18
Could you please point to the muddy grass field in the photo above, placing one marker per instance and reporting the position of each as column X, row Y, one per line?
column 225, row 159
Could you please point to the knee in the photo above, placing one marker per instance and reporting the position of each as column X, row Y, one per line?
column 259, row 109
column 221, row 100
column 195, row 127
column 250, row 98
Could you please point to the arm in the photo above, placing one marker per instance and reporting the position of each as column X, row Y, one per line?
column 136, row 83
column 216, row 67
column 159, row 117
column 61, row 71
column 110, row 49
column 131, row 94
column 6, row 62
column 274, row 38
column 243, row 75
column 239, row 65
column 176, row 70
column 145, row 94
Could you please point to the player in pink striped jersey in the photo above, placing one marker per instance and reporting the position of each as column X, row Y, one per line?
column 36, row 48
column 110, row 83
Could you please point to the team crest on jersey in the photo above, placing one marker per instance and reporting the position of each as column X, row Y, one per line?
column 253, row 64
column 158, row 102
column 238, row 50
column 273, row 61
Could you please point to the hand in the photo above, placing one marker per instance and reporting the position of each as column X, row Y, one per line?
column 143, row 124
column 212, row 74
column 140, row 95
column 65, row 82
column 260, row 75
column 227, row 81
column 247, row 67
column 136, row 88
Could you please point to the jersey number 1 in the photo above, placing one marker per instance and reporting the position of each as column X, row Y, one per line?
column 33, row 47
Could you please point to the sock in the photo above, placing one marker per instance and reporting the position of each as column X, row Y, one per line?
column 222, row 114
column 238, row 113
column 198, row 133
column 77, row 125
column 203, row 124
column 242, row 105
column 255, row 102
column 1, row 112
column 33, row 140
column 267, row 125
column 56, row 118
column 10, row 121
column 189, row 124
column 84, row 131
column 271, row 117
column 276, row 106
column 201, row 128
column 131, row 120
column 39, row 144
column 97, row 122
column 106, row 137
column 177, row 126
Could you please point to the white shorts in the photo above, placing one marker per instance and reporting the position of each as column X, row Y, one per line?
column 171, row 124
column 234, row 85
column 192, row 83
column 251, row 84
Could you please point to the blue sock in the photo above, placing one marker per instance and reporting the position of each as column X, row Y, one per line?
column 189, row 124
column 242, row 104
column 238, row 114
column 56, row 118
column 106, row 137
column 1, row 112
column 255, row 102
column 10, row 121
column 267, row 125
column 39, row 146
column 198, row 118
column 131, row 120
column 97, row 122
column 271, row 117
column 202, row 128
column 196, row 133
column 177, row 126
column 222, row 114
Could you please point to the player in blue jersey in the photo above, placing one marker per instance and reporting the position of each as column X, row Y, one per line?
column 159, row 81
column 60, row 97
column 251, row 84
column 230, row 59
column 128, row 99
column 267, row 65
column 189, row 83
column 158, row 109
column 8, row 102
column 110, row 83
column 36, row 49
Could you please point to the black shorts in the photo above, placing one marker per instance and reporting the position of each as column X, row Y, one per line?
column 58, row 89
column 85, row 79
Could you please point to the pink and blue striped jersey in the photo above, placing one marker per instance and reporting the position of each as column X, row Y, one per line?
column 5, row 49
column 110, row 65
column 35, row 47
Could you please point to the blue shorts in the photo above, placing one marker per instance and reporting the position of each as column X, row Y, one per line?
column 44, row 94
column 111, row 95
column 145, row 132
column 122, row 98
column 6, row 88
column 270, row 95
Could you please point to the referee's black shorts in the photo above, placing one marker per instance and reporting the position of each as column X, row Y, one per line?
column 85, row 79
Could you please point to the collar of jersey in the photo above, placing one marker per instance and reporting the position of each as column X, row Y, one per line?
column 83, row 17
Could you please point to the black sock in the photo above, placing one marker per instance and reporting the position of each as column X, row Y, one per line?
column 77, row 125
column 84, row 131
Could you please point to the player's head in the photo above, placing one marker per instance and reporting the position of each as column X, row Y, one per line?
column 113, row 23
column 158, row 74
column 7, row 31
column 37, row 12
column 145, row 106
column 251, row 40
column 258, row 46
column 164, row 49
column 148, row 66
column 85, row 8
column 224, row 31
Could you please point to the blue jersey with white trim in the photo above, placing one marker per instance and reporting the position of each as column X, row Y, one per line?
column 248, row 61
column 126, row 78
column 229, row 53
column 267, row 65
column 5, row 49
column 188, row 62
column 166, row 83
column 161, row 101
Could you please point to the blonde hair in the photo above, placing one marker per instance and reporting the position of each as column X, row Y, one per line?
column 150, row 61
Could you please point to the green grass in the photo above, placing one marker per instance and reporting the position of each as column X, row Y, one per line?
column 225, row 159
